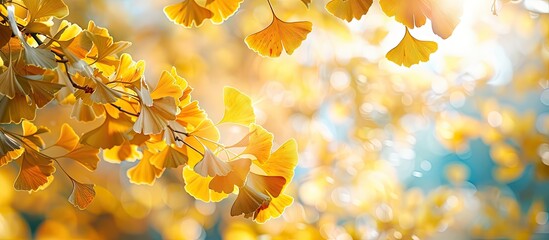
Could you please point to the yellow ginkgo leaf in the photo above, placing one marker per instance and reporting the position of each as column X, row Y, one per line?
column 167, row 86
column 191, row 114
column 282, row 162
column 205, row 130
column 211, row 165
column 411, row 13
column 82, row 194
column 411, row 51
column 275, row 209
column 83, row 112
column 144, row 172
column 36, row 172
column 187, row 13
column 222, row 9
column 125, row 152
column 198, row 186
column 238, row 107
column 129, row 71
column 9, row 149
column 269, row 41
column 113, row 132
column 169, row 157
column 260, row 143
column 46, row 8
column 349, row 9
column 67, row 138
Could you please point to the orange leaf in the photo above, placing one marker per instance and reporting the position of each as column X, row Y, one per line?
column 349, row 9
column 187, row 13
column 269, row 41
column 9, row 149
column 239, row 170
column 198, row 186
column 82, row 195
column 169, row 157
column 36, row 172
column 222, row 9
column 113, row 132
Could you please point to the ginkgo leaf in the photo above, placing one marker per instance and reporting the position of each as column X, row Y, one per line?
column 260, row 143
column 205, row 130
column 36, row 172
column 39, row 57
column 129, row 71
column 445, row 16
column 102, row 94
column 187, row 13
column 46, row 8
column 154, row 119
column 411, row 51
column 85, row 155
column 248, row 201
column 82, row 112
column 198, row 186
column 125, row 152
column 238, row 107
column 191, row 114
column 239, row 171
column 275, row 209
column 67, row 138
column 166, row 87
column 222, row 9
column 211, row 165
column 9, row 84
column 104, row 46
column 43, row 92
column 271, row 185
column 10, row 149
column 144, row 172
column 30, row 132
column 411, row 13
column 269, row 41
column 169, row 157
column 349, row 9
column 283, row 161
column 16, row 109
column 113, row 132
column 82, row 194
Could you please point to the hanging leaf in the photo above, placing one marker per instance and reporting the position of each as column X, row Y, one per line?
column 144, row 172
column 260, row 143
column 282, row 162
column 85, row 155
column 82, row 194
column 411, row 51
column 187, row 13
column 198, row 186
column 269, row 41
column 349, row 9
column 67, row 138
column 36, row 172
column 222, row 9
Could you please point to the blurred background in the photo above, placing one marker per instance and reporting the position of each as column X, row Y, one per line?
column 455, row 148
